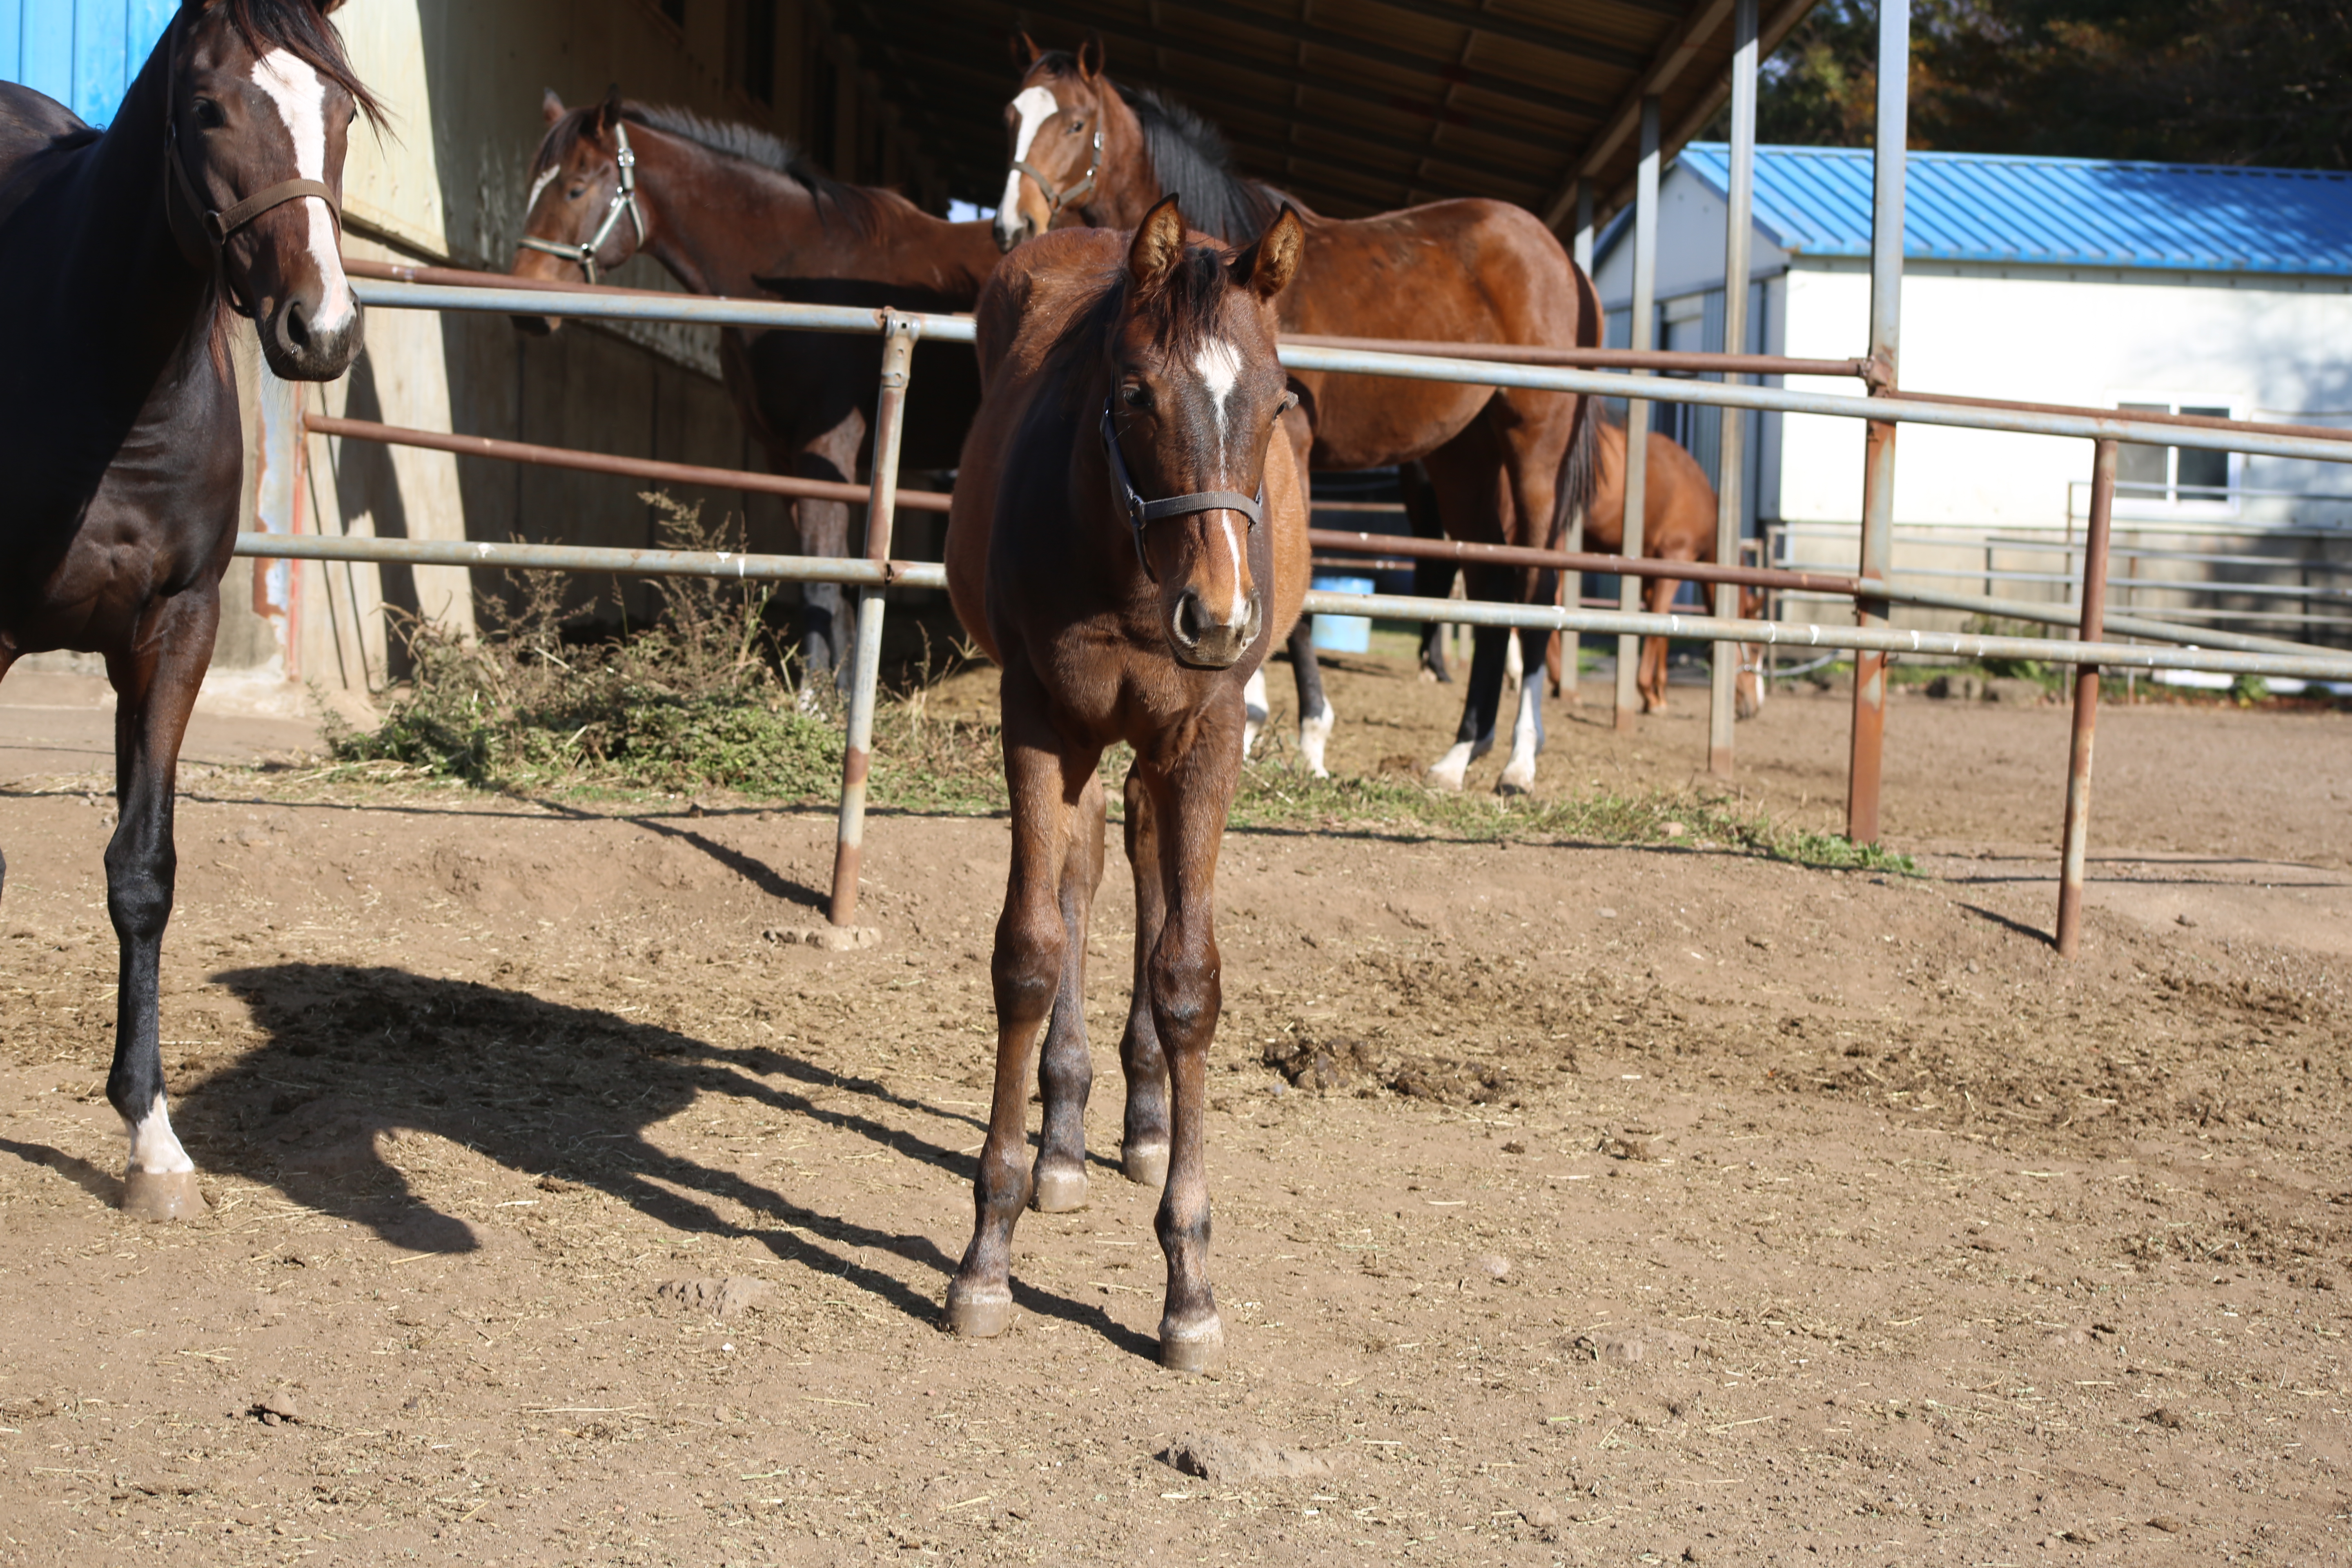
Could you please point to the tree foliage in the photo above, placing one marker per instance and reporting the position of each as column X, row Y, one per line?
column 2201, row 82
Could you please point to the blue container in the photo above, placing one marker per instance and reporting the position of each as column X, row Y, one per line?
column 1343, row 634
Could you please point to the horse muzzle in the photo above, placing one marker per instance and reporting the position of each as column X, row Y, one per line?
column 1204, row 642
column 1012, row 228
column 302, row 341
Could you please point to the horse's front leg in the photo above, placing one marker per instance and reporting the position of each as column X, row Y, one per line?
column 1143, row 1139
column 156, row 687
column 1651, row 677
column 1528, row 729
column 1046, row 780
column 827, row 631
column 1066, row 1069
column 1316, row 715
column 1189, row 800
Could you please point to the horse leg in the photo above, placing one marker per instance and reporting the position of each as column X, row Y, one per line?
column 1431, row 578
column 1045, row 780
column 156, row 687
column 1065, row 1067
column 1254, row 709
column 1527, row 730
column 1143, row 1139
column 1316, row 715
column 1652, row 675
column 828, row 630
column 1191, row 800
column 7, row 657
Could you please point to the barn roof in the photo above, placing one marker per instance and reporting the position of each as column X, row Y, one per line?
column 2080, row 212
column 1358, row 108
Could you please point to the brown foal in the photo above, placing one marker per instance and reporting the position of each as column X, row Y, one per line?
column 1129, row 539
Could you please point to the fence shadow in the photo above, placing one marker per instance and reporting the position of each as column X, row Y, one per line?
column 354, row 1058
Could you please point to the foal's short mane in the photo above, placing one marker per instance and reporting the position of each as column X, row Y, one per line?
column 298, row 27
column 1192, row 162
column 861, row 205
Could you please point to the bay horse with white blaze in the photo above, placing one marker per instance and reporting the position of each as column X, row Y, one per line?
column 1129, row 539
column 1506, row 466
column 730, row 209
column 123, row 256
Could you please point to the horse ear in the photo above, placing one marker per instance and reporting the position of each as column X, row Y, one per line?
column 1158, row 245
column 1266, row 268
column 1025, row 52
column 327, row 8
column 608, row 113
column 550, row 107
column 1090, row 55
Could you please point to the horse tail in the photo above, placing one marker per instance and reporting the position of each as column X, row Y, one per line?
column 1580, row 465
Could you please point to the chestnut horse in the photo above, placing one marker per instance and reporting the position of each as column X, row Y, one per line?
column 1678, row 513
column 729, row 209
column 123, row 256
column 1506, row 466
column 1129, row 539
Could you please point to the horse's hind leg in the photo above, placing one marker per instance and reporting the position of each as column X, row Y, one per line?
column 1065, row 1070
column 1143, row 1138
column 828, row 630
column 155, row 686
column 1316, row 716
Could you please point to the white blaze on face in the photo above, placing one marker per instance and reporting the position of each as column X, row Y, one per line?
column 1035, row 106
column 1220, row 366
column 301, row 102
column 538, row 185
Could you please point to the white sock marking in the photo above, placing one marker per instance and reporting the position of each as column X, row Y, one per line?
column 155, row 1148
column 1519, row 774
column 301, row 100
column 1254, row 711
column 1313, row 733
column 1035, row 106
column 1447, row 771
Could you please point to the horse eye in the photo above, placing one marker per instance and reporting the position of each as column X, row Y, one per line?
column 1135, row 396
column 208, row 115
column 577, row 192
column 1076, row 126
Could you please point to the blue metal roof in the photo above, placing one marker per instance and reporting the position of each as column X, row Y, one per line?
column 2082, row 212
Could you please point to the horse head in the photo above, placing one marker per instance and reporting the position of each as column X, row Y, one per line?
column 583, row 216
column 1055, row 126
column 260, row 110
column 1196, row 396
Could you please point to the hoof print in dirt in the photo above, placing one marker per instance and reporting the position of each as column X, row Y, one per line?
column 1224, row 1459
column 279, row 1410
column 1617, row 1148
column 2170, row 1420
column 719, row 1298
column 1542, row 1520
column 832, row 938
column 1319, row 1065
column 1451, row 1082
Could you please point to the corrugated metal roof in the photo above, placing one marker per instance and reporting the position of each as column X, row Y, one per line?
column 2082, row 212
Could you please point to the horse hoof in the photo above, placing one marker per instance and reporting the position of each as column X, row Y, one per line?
column 1059, row 1191
column 1515, row 784
column 1146, row 1164
column 1201, row 1348
column 162, row 1195
column 979, row 1313
column 1445, row 778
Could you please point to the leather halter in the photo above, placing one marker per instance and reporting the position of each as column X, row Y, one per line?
column 624, row 199
column 1142, row 514
column 1056, row 200
column 203, row 233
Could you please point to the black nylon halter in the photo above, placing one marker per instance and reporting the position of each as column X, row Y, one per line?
column 1142, row 514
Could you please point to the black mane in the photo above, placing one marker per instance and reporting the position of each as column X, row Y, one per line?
column 859, row 205
column 1191, row 162
column 298, row 27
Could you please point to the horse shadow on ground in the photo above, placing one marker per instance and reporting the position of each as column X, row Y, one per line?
column 356, row 1059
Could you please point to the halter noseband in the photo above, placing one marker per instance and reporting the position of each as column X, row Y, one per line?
column 624, row 199
column 202, row 233
column 1056, row 200
column 1142, row 514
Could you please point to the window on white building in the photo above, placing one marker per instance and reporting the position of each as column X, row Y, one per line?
column 2191, row 480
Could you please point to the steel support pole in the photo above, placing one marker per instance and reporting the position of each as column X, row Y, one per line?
column 1571, row 584
column 899, row 336
column 1738, row 216
column 1637, row 411
column 2086, row 702
column 1863, row 767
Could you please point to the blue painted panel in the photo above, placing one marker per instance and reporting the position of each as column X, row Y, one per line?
column 12, row 29
column 101, row 74
column 45, row 63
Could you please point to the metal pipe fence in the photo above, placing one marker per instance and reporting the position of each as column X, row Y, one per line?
column 1871, row 589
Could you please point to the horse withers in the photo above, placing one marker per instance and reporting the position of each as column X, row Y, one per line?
column 123, row 257
column 1129, row 539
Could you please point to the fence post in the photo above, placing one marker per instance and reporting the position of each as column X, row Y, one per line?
column 1723, row 665
column 1862, row 770
column 2086, row 701
column 1637, row 410
column 899, row 335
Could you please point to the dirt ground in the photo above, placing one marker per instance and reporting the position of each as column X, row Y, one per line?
column 1657, row 1205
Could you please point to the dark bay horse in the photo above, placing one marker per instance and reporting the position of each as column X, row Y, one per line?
column 1128, row 540
column 1679, row 514
column 1506, row 467
column 729, row 209
column 123, row 257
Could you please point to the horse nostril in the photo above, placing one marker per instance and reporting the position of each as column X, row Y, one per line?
column 297, row 325
column 1189, row 620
